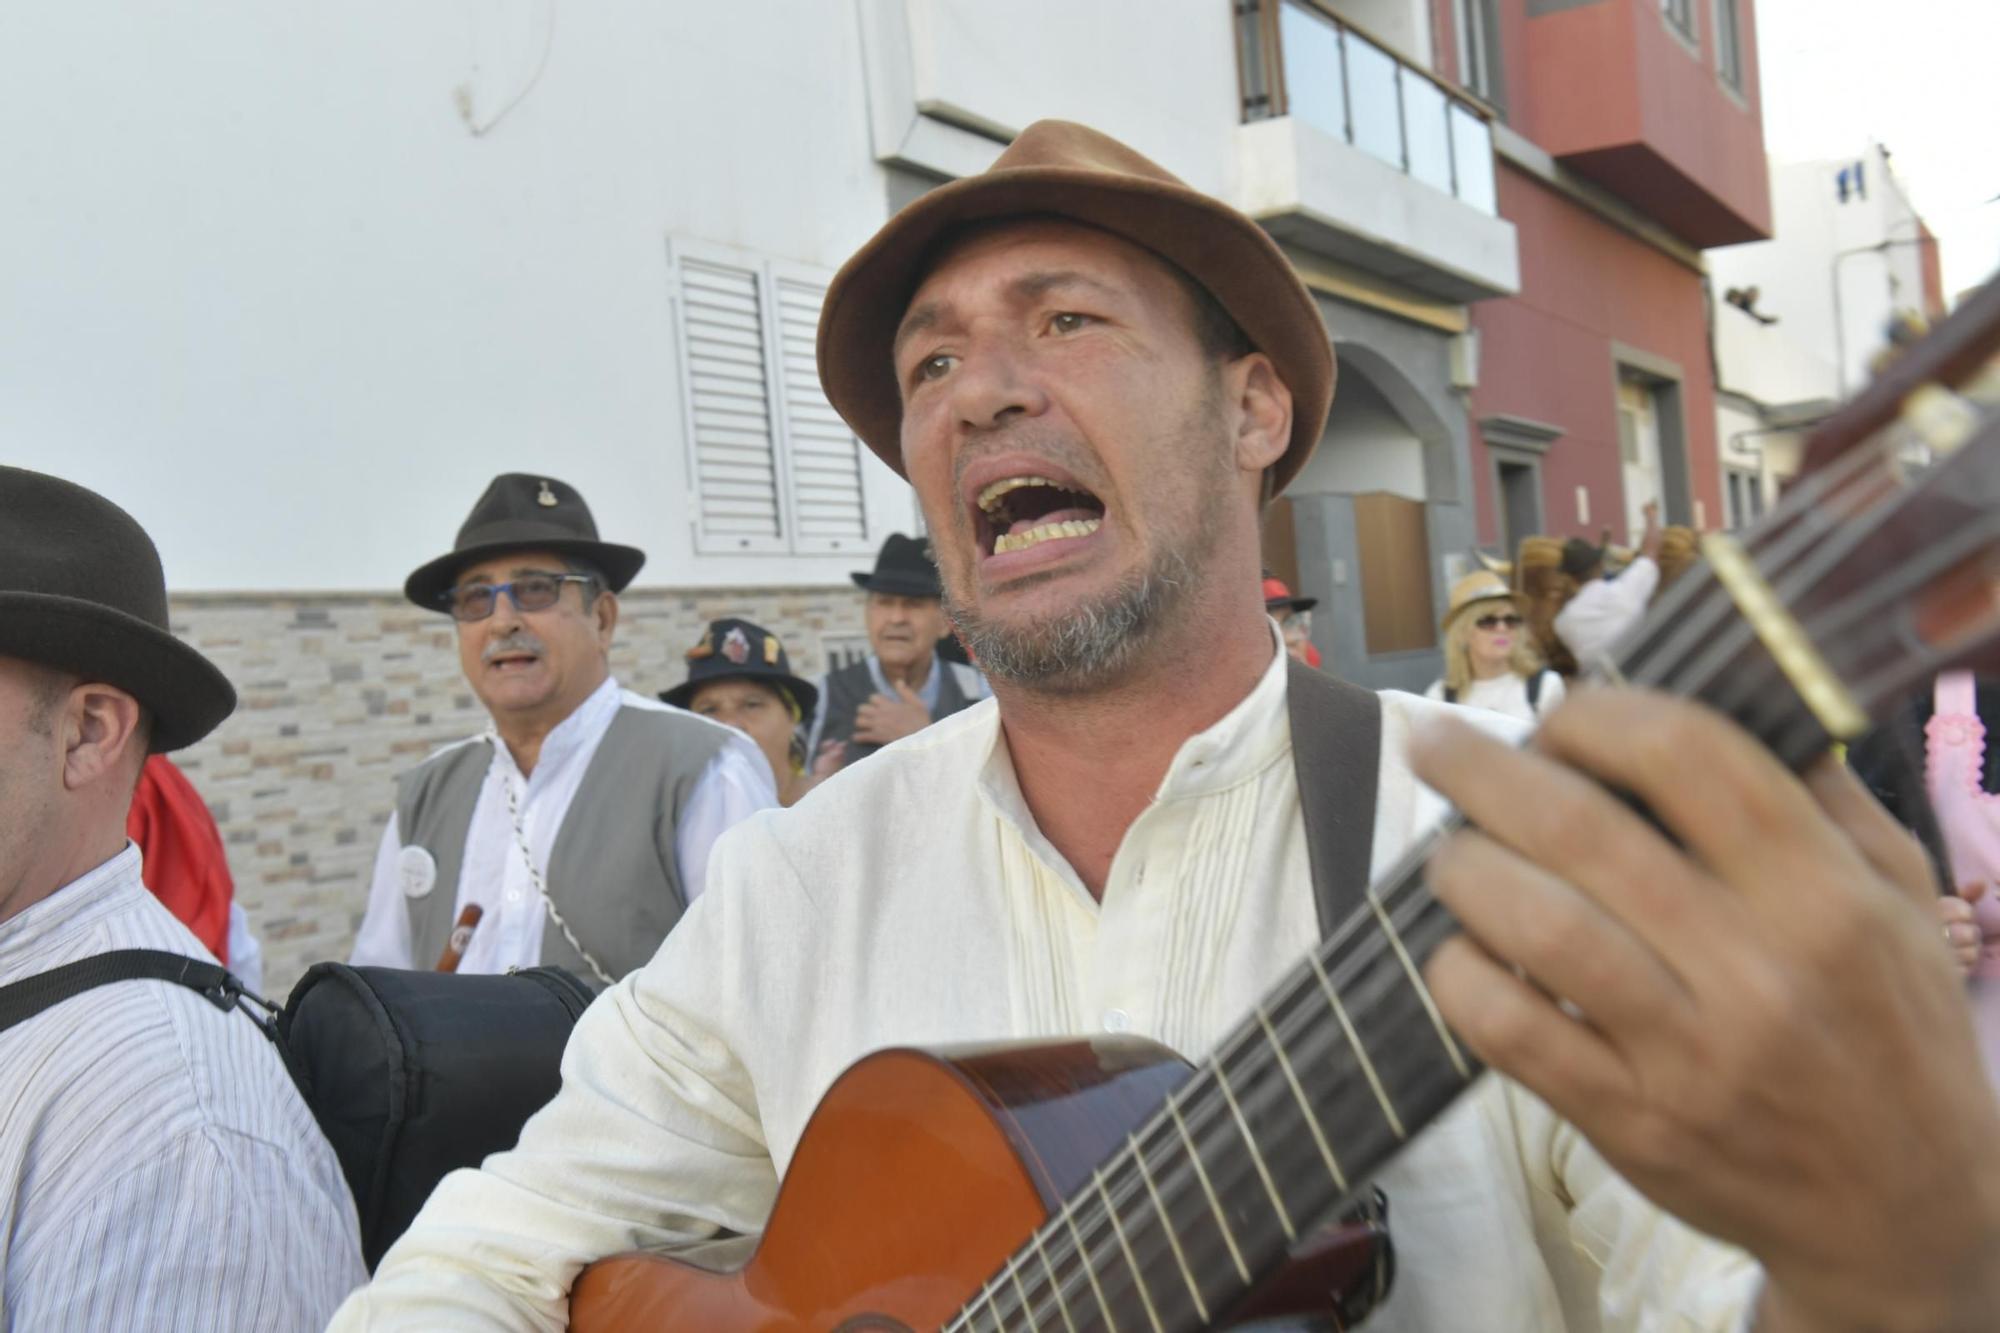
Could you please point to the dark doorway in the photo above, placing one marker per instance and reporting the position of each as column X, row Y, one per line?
column 1520, row 504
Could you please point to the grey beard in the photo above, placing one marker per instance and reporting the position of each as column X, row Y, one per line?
column 1088, row 645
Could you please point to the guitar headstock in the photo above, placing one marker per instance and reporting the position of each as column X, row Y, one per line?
column 1879, row 569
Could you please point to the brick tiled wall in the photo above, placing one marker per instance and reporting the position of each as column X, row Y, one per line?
column 339, row 693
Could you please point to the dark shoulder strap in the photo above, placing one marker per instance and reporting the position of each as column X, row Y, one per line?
column 1450, row 695
column 1535, row 691
column 1336, row 752
column 31, row 995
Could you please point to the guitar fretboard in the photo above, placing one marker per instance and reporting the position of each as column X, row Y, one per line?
column 1348, row 1057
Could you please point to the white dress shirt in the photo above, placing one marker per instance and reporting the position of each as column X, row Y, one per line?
column 913, row 901
column 493, row 873
column 1605, row 610
column 157, row 1167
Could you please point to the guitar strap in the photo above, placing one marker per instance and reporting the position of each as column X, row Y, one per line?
column 1336, row 753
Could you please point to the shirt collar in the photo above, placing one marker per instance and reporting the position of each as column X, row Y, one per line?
column 76, row 904
column 929, row 692
column 1238, row 747
column 578, row 732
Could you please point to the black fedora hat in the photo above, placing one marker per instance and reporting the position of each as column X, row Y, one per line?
column 732, row 649
column 81, row 590
column 524, row 512
column 904, row 568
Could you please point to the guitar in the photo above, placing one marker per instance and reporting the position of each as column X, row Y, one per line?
column 1105, row 1185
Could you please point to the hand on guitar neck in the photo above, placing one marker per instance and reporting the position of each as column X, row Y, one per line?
column 1777, row 1048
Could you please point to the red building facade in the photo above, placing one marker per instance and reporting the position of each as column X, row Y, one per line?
column 1632, row 140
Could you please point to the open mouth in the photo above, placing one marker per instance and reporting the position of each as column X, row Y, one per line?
column 1015, row 513
column 513, row 661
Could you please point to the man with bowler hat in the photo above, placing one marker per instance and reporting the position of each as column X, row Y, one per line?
column 157, row 1166
column 905, row 683
column 1094, row 376
column 576, row 828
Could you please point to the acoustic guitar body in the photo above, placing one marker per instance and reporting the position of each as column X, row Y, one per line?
column 916, row 1178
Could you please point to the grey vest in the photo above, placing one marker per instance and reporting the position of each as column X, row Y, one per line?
column 612, row 873
column 854, row 685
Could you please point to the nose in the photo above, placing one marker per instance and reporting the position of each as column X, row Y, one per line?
column 992, row 387
column 506, row 617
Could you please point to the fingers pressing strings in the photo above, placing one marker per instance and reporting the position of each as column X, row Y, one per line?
column 1664, row 908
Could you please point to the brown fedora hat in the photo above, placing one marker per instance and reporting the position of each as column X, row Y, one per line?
column 81, row 590
column 1063, row 170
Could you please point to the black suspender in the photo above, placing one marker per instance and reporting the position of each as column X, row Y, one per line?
column 1336, row 752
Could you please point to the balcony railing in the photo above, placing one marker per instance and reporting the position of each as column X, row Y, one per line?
column 1298, row 60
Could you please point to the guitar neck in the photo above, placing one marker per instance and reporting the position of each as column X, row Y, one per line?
column 1348, row 1056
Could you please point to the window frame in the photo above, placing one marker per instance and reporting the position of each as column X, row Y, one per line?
column 1680, row 18
column 767, row 274
column 1728, row 20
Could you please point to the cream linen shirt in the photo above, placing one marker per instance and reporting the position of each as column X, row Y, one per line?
column 911, row 900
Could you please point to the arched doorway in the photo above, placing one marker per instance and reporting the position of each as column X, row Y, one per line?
column 1355, row 528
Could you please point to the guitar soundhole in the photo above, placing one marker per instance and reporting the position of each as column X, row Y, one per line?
column 874, row 1323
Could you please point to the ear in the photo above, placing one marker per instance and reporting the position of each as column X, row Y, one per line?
column 605, row 608
column 1263, row 412
column 98, row 727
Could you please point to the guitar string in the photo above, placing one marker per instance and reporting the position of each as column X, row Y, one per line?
column 1168, row 1180
column 1295, row 1010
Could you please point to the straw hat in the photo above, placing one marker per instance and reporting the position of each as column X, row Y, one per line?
column 1481, row 585
column 1058, row 169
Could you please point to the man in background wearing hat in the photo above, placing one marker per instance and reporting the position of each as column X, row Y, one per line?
column 576, row 829
column 904, row 684
column 1294, row 617
column 1603, row 610
column 1093, row 376
column 157, row 1166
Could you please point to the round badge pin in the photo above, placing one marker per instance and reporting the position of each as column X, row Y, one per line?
column 419, row 871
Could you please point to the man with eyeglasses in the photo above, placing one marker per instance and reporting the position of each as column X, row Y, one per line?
column 576, row 828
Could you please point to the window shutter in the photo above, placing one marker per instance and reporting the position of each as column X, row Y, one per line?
column 823, row 457
column 733, row 447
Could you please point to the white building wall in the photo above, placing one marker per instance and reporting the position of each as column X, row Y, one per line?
column 264, row 282
column 1815, row 233
column 292, row 283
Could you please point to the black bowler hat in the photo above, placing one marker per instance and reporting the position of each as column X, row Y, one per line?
column 903, row 568
column 523, row 512
column 734, row 649
column 81, row 590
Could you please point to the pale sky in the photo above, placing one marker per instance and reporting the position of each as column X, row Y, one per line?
column 1921, row 77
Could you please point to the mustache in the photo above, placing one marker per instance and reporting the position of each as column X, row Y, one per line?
column 1058, row 447
column 520, row 641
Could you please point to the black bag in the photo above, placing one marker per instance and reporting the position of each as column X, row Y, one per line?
column 412, row 1075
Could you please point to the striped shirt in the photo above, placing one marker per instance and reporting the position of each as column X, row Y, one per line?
column 158, row 1169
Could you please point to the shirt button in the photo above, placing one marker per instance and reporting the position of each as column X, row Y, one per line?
column 1117, row 1020
column 513, row 895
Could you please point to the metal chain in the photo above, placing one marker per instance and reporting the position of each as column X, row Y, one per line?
column 535, row 876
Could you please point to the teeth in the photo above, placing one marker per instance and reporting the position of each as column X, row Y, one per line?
column 1000, row 488
column 1017, row 541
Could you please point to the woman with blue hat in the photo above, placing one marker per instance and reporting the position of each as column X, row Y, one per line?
column 740, row 675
